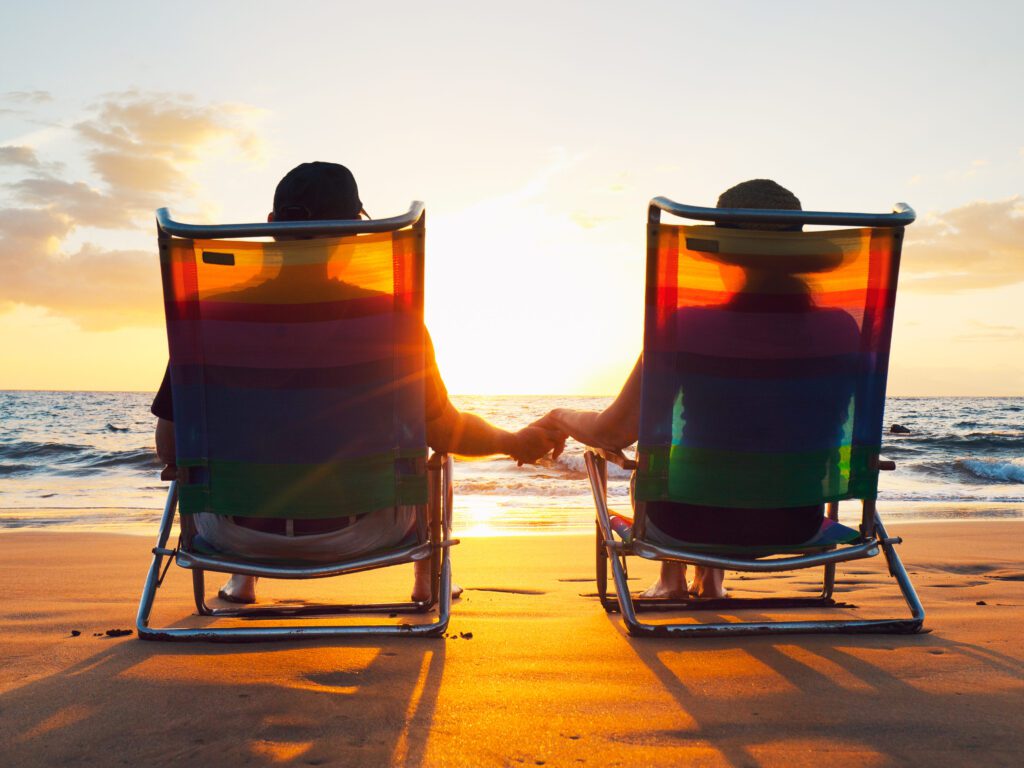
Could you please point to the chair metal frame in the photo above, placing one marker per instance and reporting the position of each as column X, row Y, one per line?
column 434, row 519
column 873, row 539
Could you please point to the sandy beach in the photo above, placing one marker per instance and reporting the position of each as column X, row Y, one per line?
column 533, row 671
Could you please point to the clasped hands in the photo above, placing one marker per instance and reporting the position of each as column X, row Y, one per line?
column 538, row 439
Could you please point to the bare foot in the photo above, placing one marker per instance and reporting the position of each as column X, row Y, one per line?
column 707, row 582
column 671, row 584
column 421, row 583
column 239, row 589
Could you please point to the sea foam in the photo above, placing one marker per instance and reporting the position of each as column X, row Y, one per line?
column 1011, row 471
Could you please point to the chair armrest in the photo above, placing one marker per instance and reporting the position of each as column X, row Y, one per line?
column 618, row 458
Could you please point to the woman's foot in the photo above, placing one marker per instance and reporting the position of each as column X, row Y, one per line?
column 671, row 584
column 707, row 582
column 239, row 589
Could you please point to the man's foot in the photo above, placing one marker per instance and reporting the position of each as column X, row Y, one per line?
column 239, row 589
column 707, row 582
column 671, row 585
column 421, row 592
column 421, row 583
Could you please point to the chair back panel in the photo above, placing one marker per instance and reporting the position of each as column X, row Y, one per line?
column 297, row 373
column 765, row 363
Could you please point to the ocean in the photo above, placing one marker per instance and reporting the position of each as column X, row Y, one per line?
column 85, row 461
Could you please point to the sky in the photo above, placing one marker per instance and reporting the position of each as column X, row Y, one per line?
column 536, row 133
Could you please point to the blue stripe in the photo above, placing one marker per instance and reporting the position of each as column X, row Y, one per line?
column 775, row 416
column 307, row 426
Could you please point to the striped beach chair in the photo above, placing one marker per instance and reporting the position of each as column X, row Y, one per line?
column 297, row 372
column 764, row 374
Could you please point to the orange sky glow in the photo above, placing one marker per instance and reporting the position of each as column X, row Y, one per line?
column 535, row 147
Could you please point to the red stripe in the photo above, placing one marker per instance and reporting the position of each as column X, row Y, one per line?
column 671, row 298
column 327, row 344
column 243, row 312
column 760, row 335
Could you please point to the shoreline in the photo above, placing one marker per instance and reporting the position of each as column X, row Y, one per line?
column 941, row 512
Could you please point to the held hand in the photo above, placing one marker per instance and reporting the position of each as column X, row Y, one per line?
column 549, row 420
column 552, row 424
column 533, row 442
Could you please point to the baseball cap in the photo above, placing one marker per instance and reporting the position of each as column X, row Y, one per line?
column 317, row 191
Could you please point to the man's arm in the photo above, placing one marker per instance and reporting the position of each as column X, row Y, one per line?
column 450, row 431
column 614, row 428
column 455, row 432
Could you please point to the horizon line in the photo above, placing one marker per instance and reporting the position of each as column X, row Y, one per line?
column 474, row 394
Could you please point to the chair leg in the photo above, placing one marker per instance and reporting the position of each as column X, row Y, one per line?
column 622, row 596
column 829, row 579
column 828, row 582
column 199, row 592
column 898, row 572
column 436, row 523
column 160, row 551
column 602, row 568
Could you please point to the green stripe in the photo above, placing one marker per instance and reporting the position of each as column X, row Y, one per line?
column 755, row 480
column 303, row 491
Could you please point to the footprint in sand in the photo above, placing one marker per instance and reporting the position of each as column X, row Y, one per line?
column 966, row 583
column 965, row 569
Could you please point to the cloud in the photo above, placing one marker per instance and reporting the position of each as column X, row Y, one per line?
column 99, row 289
column 76, row 199
column 24, row 156
column 140, row 148
column 992, row 332
column 976, row 246
column 28, row 97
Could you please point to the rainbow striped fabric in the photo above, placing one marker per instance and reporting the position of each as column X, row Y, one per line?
column 297, row 374
column 765, row 363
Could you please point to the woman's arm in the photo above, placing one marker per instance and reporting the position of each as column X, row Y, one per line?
column 614, row 428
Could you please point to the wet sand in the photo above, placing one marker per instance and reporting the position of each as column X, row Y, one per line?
column 546, row 678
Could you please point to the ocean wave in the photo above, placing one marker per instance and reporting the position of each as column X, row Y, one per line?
column 139, row 458
column 27, row 449
column 530, row 487
column 1011, row 471
column 577, row 465
column 113, row 428
column 25, row 457
column 993, row 440
column 16, row 469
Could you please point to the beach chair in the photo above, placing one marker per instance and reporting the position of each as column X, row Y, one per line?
column 764, row 373
column 297, row 371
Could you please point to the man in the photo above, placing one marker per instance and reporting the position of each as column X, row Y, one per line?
column 326, row 191
column 618, row 426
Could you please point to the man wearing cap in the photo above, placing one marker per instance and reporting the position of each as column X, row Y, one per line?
column 328, row 191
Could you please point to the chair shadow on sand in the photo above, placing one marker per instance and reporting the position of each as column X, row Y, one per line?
column 851, row 699
column 350, row 703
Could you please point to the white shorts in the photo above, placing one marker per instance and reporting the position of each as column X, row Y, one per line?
column 373, row 531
